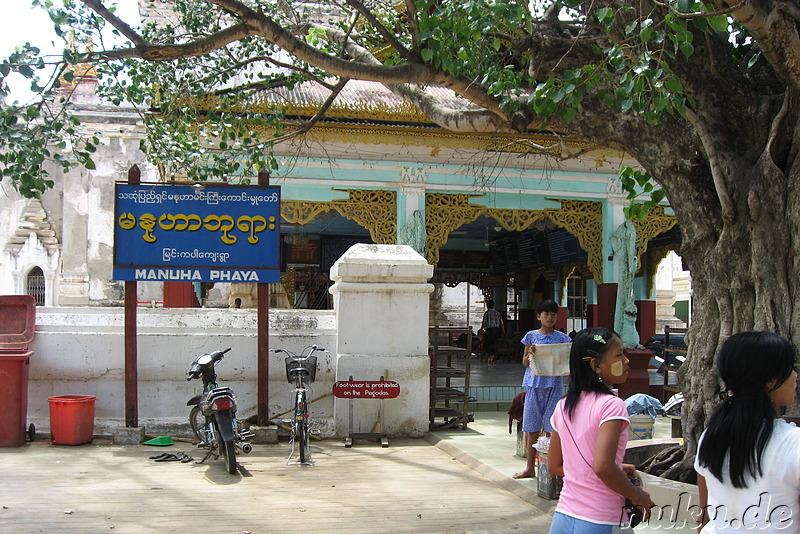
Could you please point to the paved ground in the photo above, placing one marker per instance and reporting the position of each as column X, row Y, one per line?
column 412, row 486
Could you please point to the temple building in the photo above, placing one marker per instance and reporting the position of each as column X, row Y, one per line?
column 516, row 218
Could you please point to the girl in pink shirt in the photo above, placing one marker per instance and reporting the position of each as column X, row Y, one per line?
column 589, row 438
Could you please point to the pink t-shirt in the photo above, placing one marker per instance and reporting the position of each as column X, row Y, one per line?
column 584, row 495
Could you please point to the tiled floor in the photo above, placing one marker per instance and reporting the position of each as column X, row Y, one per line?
column 487, row 447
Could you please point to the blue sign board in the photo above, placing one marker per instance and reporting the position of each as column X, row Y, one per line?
column 213, row 233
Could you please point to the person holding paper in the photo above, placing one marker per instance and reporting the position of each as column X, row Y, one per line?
column 541, row 392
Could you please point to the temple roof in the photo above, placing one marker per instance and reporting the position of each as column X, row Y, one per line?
column 358, row 100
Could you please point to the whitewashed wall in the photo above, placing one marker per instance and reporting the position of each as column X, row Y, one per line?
column 379, row 328
column 80, row 351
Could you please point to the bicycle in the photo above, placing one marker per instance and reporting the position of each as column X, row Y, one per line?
column 301, row 371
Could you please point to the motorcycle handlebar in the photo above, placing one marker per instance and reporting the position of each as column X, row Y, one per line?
column 215, row 357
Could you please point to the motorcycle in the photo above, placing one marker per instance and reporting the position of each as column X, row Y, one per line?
column 213, row 415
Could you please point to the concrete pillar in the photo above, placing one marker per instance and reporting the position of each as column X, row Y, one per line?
column 74, row 282
column 380, row 298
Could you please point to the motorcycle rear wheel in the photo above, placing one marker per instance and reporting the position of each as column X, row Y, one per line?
column 230, row 456
column 228, row 450
column 198, row 422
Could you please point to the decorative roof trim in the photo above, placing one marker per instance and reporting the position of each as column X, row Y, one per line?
column 34, row 219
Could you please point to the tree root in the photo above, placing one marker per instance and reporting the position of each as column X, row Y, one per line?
column 672, row 464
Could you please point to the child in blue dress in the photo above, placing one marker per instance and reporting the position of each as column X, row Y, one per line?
column 541, row 392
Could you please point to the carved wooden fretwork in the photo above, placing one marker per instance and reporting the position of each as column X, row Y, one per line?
column 443, row 214
column 656, row 222
column 375, row 210
column 584, row 219
column 287, row 281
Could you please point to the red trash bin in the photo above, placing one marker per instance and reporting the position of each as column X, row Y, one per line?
column 17, row 323
column 72, row 419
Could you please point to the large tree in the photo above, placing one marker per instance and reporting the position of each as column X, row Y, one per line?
column 703, row 94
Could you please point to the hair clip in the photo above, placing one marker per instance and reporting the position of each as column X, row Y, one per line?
column 726, row 395
column 599, row 339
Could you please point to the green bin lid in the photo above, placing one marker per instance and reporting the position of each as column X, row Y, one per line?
column 161, row 441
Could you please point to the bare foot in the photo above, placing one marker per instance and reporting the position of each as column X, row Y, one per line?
column 523, row 474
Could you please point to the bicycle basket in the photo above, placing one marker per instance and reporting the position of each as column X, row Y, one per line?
column 307, row 368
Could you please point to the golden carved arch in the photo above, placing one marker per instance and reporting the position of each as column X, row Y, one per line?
column 656, row 222
column 584, row 219
column 375, row 210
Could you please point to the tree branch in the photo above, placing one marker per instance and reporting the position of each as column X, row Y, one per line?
column 274, row 33
column 385, row 33
column 445, row 117
column 778, row 120
column 774, row 25
column 717, row 173
column 171, row 52
column 122, row 26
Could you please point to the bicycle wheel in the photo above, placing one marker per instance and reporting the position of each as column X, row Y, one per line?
column 198, row 422
column 301, row 429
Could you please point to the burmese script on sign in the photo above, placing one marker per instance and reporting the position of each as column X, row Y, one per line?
column 366, row 389
column 212, row 233
column 224, row 225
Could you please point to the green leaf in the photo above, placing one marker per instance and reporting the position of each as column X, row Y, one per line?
column 719, row 23
column 567, row 113
column 426, row 53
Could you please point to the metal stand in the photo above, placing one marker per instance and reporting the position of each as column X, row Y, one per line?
column 348, row 441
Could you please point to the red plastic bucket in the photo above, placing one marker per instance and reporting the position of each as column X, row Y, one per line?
column 72, row 419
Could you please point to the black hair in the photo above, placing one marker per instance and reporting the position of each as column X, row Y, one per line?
column 740, row 428
column 490, row 303
column 588, row 343
column 547, row 305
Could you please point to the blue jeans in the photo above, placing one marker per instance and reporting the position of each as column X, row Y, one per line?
column 564, row 524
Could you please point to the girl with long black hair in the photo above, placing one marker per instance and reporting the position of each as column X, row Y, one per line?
column 589, row 438
column 748, row 461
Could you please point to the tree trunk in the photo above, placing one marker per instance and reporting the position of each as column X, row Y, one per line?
column 743, row 270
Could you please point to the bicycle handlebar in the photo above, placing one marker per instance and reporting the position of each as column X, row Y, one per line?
column 311, row 350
